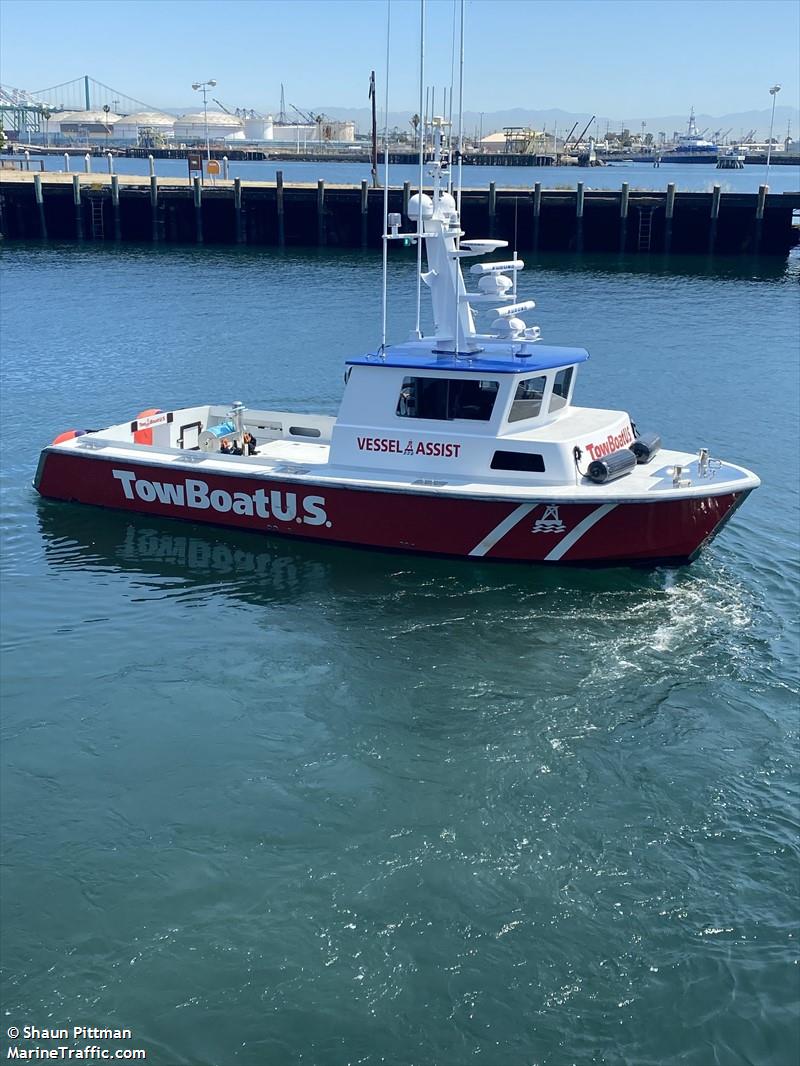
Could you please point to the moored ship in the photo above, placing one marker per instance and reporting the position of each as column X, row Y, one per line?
column 691, row 147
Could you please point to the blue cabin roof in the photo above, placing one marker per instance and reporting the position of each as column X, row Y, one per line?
column 420, row 355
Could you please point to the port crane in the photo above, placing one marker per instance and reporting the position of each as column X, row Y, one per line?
column 240, row 112
column 583, row 134
column 314, row 120
column 566, row 139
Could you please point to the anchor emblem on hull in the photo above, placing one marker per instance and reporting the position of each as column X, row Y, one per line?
column 550, row 522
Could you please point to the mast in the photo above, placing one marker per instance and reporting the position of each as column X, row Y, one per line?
column 420, row 225
column 386, row 184
column 374, row 152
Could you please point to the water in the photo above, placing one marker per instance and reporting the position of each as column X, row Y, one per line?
column 687, row 177
column 267, row 802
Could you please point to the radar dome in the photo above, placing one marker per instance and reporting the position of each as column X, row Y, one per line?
column 414, row 209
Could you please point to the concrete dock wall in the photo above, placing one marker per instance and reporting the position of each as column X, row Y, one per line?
column 125, row 208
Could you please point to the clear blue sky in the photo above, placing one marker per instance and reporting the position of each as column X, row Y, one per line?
column 620, row 58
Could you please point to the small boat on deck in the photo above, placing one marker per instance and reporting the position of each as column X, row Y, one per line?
column 464, row 443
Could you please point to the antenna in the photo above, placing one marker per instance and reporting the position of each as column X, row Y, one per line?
column 386, row 182
column 449, row 116
column 460, row 153
column 418, row 332
column 460, row 106
column 282, row 113
column 514, row 257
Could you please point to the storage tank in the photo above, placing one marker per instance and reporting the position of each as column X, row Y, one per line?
column 147, row 124
column 220, row 125
column 258, row 129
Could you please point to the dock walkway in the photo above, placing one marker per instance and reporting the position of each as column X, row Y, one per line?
column 62, row 206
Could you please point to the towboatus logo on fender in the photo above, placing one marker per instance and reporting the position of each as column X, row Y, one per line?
column 196, row 493
column 612, row 443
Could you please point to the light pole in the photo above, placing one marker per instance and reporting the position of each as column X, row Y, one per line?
column 204, row 86
column 773, row 93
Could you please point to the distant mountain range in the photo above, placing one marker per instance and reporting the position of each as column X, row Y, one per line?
column 739, row 122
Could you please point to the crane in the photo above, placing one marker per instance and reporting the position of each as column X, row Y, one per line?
column 585, row 128
column 310, row 117
column 240, row 112
column 566, row 139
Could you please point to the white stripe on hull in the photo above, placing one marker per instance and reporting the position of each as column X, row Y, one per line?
column 504, row 527
column 575, row 534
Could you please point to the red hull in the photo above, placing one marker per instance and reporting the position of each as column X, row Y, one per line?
column 670, row 530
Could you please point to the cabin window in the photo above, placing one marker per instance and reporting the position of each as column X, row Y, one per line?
column 445, row 399
column 518, row 461
column 527, row 399
column 561, row 385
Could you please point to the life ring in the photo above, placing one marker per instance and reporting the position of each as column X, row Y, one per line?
column 68, row 434
column 145, row 436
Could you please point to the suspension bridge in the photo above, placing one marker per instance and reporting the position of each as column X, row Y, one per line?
column 25, row 111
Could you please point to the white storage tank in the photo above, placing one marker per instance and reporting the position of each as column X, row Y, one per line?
column 192, row 127
column 148, row 124
column 258, row 129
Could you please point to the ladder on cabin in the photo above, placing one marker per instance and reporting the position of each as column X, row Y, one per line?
column 98, row 233
column 645, row 228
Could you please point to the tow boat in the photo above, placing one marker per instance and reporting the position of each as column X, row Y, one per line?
column 461, row 443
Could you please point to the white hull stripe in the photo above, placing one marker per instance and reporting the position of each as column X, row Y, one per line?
column 575, row 534
column 504, row 527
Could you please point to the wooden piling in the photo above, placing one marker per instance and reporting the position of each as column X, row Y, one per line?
column 712, row 231
column 198, row 209
column 623, row 215
column 406, row 197
column 76, row 200
column 364, row 212
column 39, row 194
column 115, row 206
column 154, row 207
column 537, row 211
column 321, row 234
column 670, row 211
column 760, row 205
column 492, row 207
column 279, row 207
column 579, row 216
column 237, row 208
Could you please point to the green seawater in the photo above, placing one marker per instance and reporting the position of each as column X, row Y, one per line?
column 267, row 802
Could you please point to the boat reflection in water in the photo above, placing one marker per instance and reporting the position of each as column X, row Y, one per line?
column 266, row 570
column 261, row 568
